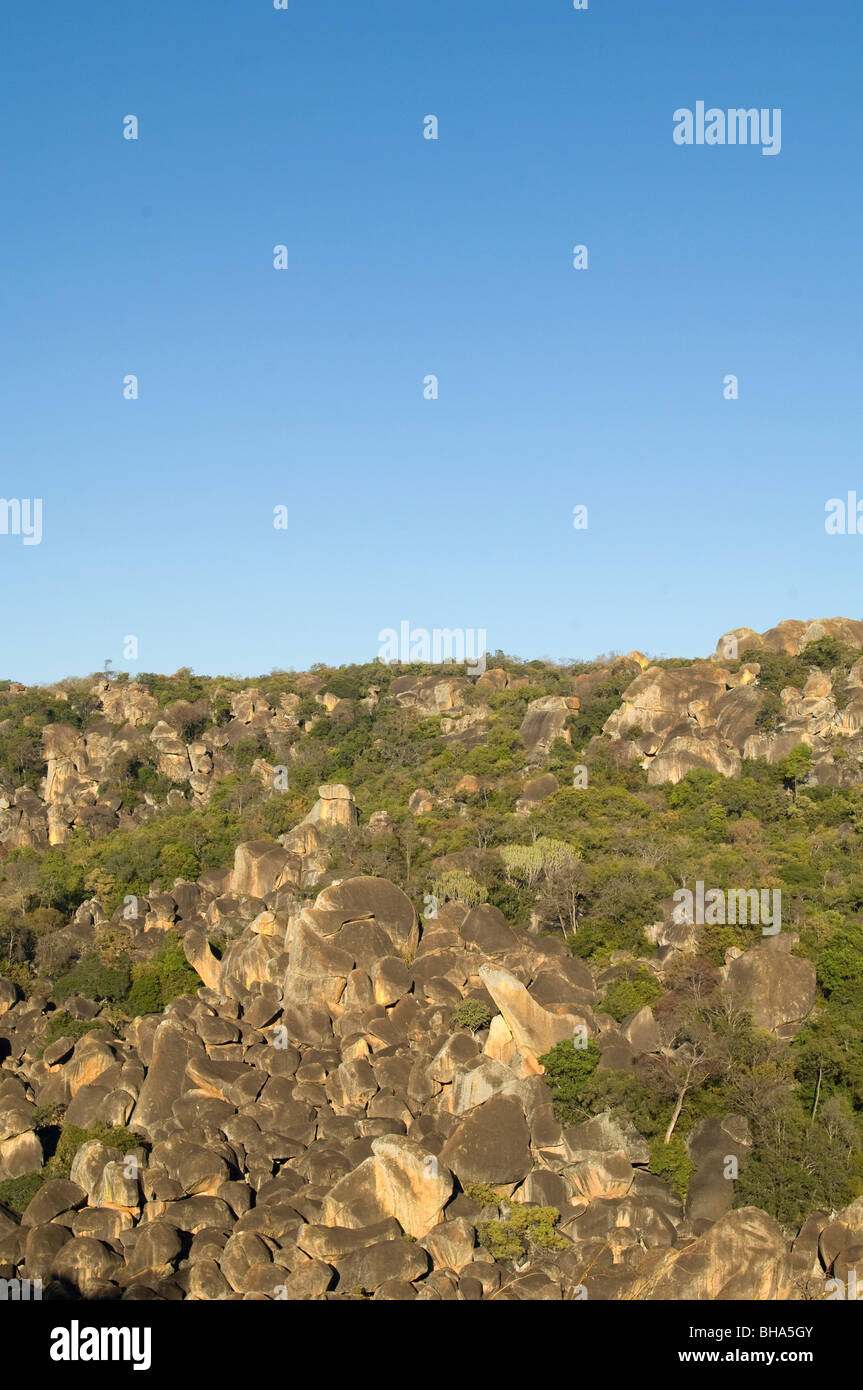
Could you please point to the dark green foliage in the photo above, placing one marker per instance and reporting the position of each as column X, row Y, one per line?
column 72, row 1137
column 567, row 1070
column 596, row 708
column 672, row 1163
column 345, row 687
column 18, row 1193
column 95, row 979
column 769, row 712
column 165, row 977
column 63, row 1025
column 628, row 995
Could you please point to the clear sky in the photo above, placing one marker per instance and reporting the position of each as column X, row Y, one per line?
column 407, row 257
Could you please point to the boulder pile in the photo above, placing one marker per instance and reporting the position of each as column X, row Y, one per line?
column 314, row 1124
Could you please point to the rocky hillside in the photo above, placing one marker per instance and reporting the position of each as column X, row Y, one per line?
column 375, row 983
column 799, row 683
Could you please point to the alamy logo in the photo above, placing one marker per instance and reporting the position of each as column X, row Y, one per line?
column 737, row 126
column 22, row 517
column 844, row 518
column 837, row 1289
column 739, row 905
column 76, row 1343
column 20, row 1290
column 465, row 647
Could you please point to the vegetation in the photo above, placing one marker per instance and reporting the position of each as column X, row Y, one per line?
column 472, row 1014
column 520, row 1228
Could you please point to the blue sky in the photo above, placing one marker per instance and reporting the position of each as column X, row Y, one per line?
column 304, row 387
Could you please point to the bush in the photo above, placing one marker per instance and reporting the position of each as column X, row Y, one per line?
column 344, row 686
column 71, row 1138
column 509, row 1239
column 162, row 979
column 567, row 1069
column 18, row 1193
column 672, row 1163
column 627, row 996
column 63, row 1025
column 482, row 1194
column 95, row 980
column 456, row 884
column 472, row 1014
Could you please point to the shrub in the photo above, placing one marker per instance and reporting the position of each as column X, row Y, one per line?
column 18, row 1193
column 472, row 1014
column 95, row 980
column 567, row 1069
column 344, row 686
column 510, row 1238
column 162, row 979
column 455, row 883
column 482, row 1194
column 672, row 1162
column 63, row 1025
column 71, row 1138
column 627, row 996
column 769, row 712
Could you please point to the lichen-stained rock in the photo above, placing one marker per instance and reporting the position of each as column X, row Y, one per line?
column 317, row 970
column 535, row 791
column 533, row 1028
column 367, row 899
column 44, row 1243
column 642, row 1031
column 197, row 950
column 491, row 1144
column 16, row 1117
column 711, row 1144
column 778, row 989
column 374, row 1265
column 157, row 1250
column 545, row 721
column 390, row 979
column 117, row 1189
column 329, row 1243
column 485, row 929
column 414, row 1187
column 743, row 1256
column 84, row 1263
column 476, row 1083
column 125, row 702
column 428, row 695
column 90, row 1061
column 451, row 1245
column 253, row 959
column 8, row 994
column 173, row 760
column 54, row 1197
column 603, row 1135
column 686, row 752
column 260, row 868
column 335, row 807
column 20, row 1154
column 607, row 1175
column 501, row 1046
column 400, row 1180
column 658, row 700
column 165, row 1080
column 198, row 1169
